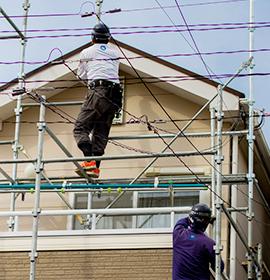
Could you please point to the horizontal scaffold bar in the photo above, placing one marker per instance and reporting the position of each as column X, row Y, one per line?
column 115, row 157
column 227, row 179
column 8, row 142
column 131, row 156
column 106, row 212
column 64, row 186
column 171, row 135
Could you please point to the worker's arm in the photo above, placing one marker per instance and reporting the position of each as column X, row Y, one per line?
column 180, row 226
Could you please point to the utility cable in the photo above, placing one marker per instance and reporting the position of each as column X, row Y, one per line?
column 152, row 28
column 39, row 99
column 133, row 121
column 141, row 56
column 195, row 49
column 192, row 38
column 126, row 10
column 149, row 80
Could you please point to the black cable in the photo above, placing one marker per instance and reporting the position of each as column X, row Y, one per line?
column 196, row 47
column 40, row 99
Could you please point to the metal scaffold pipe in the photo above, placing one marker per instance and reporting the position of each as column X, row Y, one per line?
column 36, row 210
column 21, row 35
column 213, row 174
column 218, row 190
column 109, row 212
column 116, row 157
column 105, row 190
column 97, row 186
column 130, row 156
column 18, row 109
column 250, row 140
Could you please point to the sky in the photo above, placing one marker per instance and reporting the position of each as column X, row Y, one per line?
column 65, row 14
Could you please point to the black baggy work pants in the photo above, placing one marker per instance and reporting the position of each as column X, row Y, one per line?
column 96, row 116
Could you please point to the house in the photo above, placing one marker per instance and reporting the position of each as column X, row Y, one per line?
column 120, row 245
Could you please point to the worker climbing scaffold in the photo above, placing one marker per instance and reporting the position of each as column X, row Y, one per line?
column 193, row 250
column 99, row 67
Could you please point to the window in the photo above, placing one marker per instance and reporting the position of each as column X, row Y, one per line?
column 129, row 200
column 163, row 199
column 100, row 202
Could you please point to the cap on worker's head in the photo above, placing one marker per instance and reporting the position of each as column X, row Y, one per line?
column 200, row 216
column 101, row 33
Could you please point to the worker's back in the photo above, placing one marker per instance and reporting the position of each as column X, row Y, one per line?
column 193, row 251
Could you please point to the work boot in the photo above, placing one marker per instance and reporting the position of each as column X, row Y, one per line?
column 94, row 173
column 87, row 166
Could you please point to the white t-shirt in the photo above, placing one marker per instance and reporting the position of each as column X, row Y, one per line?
column 99, row 61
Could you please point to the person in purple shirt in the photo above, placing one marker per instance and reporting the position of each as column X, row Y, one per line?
column 193, row 250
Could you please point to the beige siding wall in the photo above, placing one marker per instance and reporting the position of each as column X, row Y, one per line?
column 147, row 264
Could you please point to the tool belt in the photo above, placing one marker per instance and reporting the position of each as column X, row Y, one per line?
column 113, row 90
column 104, row 83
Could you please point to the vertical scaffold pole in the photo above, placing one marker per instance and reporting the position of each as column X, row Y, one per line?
column 250, row 140
column 36, row 210
column 218, row 192
column 18, row 112
column 260, row 261
column 213, row 161
column 234, row 191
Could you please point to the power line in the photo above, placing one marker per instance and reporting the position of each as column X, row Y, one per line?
column 140, row 32
column 126, row 10
column 262, row 50
column 133, row 121
column 193, row 27
column 156, row 80
column 186, row 5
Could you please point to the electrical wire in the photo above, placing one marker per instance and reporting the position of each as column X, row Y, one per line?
column 186, row 5
column 125, row 10
column 193, row 40
column 7, row 92
column 67, row 117
column 193, row 27
column 133, row 121
column 148, row 80
column 261, row 50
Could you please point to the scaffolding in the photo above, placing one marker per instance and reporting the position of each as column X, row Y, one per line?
column 42, row 183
